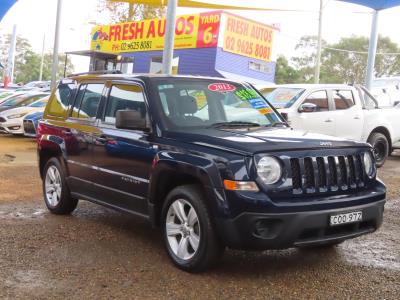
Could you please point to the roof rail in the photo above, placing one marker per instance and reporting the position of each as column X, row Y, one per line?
column 100, row 72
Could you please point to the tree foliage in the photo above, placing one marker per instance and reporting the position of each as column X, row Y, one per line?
column 27, row 62
column 344, row 61
column 123, row 12
column 285, row 73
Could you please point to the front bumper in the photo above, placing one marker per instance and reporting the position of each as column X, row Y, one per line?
column 13, row 127
column 262, row 231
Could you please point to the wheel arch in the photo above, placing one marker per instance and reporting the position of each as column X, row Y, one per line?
column 167, row 175
column 383, row 130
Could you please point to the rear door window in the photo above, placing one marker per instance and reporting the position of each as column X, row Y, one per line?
column 87, row 101
column 343, row 99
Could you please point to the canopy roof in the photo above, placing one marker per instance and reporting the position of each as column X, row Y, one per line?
column 375, row 4
column 5, row 6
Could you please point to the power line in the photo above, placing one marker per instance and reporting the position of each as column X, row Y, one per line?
column 362, row 52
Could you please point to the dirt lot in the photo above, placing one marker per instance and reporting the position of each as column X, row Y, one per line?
column 102, row 254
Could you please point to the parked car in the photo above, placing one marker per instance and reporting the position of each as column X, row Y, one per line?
column 31, row 122
column 340, row 110
column 21, row 100
column 43, row 86
column 140, row 145
column 9, row 94
column 12, row 120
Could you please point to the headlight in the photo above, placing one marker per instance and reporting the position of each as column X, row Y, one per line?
column 368, row 164
column 16, row 116
column 269, row 169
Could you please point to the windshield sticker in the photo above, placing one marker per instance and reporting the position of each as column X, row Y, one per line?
column 258, row 103
column 247, row 94
column 221, row 87
column 265, row 111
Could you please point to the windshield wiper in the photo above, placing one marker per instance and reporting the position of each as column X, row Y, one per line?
column 279, row 123
column 234, row 124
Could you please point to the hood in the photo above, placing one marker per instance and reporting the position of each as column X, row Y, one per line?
column 260, row 140
column 20, row 110
column 34, row 115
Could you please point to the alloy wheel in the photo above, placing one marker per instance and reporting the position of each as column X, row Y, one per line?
column 182, row 228
column 53, row 186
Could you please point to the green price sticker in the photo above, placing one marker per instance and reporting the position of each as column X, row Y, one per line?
column 246, row 94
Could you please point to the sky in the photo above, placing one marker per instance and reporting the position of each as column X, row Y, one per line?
column 36, row 19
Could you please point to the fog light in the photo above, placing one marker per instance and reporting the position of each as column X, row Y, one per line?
column 14, row 127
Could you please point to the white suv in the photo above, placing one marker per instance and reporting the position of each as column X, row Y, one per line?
column 342, row 111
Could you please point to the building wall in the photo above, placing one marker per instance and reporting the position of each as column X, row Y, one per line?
column 234, row 63
column 199, row 61
column 205, row 62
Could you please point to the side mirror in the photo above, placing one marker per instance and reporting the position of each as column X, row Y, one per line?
column 131, row 119
column 308, row 107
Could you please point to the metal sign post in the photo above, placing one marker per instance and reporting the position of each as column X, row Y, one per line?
column 56, row 43
column 168, row 52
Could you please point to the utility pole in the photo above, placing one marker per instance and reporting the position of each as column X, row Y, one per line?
column 56, row 44
column 42, row 60
column 318, row 58
column 168, row 52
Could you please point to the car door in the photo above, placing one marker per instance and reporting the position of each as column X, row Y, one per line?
column 123, row 157
column 319, row 120
column 80, row 128
column 349, row 118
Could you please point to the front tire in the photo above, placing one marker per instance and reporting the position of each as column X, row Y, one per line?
column 55, row 190
column 380, row 145
column 188, row 232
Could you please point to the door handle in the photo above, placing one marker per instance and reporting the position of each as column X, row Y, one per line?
column 328, row 120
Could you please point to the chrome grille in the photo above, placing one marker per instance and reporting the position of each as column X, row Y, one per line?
column 29, row 127
column 327, row 173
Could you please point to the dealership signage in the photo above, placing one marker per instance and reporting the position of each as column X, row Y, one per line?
column 248, row 38
column 205, row 30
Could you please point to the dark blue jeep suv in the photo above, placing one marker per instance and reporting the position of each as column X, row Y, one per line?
column 210, row 161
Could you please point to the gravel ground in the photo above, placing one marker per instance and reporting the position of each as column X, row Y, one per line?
column 102, row 254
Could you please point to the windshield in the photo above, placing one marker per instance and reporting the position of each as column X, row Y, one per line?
column 39, row 103
column 205, row 103
column 284, row 97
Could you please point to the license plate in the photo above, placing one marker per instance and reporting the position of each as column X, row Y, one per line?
column 350, row 217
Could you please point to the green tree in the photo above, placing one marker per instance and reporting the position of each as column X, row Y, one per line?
column 285, row 73
column 349, row 65
column 305, row 61
column 27, row 62
column 31, row 69
column 123, row 12
column 345, row 61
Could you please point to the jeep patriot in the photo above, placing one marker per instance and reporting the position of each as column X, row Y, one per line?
column 207, row 160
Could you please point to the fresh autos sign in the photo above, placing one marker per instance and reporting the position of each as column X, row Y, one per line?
column 191, row 31
column 248, row 38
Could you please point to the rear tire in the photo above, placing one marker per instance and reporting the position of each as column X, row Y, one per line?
column 55, row 190
column 188, row 232
column 380, row 145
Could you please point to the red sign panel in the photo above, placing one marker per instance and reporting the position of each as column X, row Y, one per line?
column 207, row 36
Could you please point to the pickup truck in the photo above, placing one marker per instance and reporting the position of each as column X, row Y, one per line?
column 345, row 111
column 208, row 161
